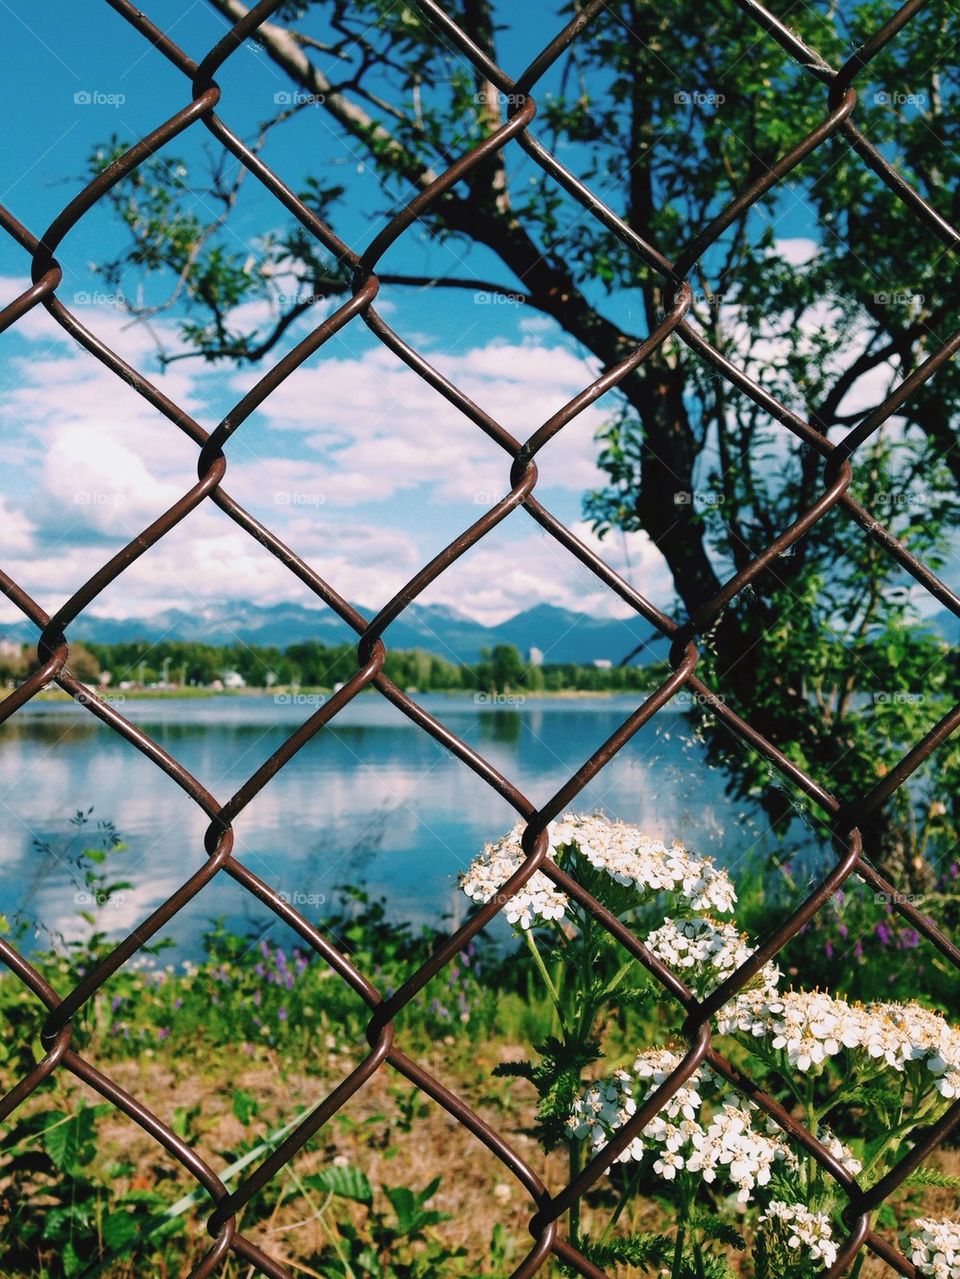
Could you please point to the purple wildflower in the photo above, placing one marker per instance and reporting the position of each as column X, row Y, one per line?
column 281, row 1014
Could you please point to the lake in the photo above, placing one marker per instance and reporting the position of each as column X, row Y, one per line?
column 372, row 799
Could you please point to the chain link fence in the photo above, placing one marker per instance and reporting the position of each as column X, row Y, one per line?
column 547, row 1207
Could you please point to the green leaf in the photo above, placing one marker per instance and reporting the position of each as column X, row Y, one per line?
column 347, row 1182
column 72, row 1265
column 932, row 1177
column 515, row 1070
column 68, row 1140
column 408, row 1206
column 715, row 1227
column 646, row 1251
column 245, row 1105
column 119, row 1229
column 761, row 1258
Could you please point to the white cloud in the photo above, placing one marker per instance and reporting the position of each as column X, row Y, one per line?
column 379, row 429
column 500, row 576
column 796, row 250
column 97, row 464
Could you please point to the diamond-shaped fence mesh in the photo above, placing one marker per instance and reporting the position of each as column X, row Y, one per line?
column 546, row 1207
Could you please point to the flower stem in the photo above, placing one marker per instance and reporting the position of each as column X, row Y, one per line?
column 677, row 1267
column 687, row 1195
column 547, row 979
column 575, row 1148
column 626, row 1196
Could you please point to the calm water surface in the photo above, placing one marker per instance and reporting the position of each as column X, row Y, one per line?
column 370, row 799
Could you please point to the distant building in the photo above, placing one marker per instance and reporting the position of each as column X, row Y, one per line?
column 602, row 663
column 535, row 657
column 10, row 648
column 233, row 679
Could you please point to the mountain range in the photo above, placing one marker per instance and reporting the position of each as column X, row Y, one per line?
column 561, row 634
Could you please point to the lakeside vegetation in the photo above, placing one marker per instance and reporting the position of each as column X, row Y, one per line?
column 188, row 664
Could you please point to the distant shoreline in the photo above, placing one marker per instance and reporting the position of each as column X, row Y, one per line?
column 502, row 701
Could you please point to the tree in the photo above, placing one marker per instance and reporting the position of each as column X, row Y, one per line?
column 669, row 112
column 500, row 669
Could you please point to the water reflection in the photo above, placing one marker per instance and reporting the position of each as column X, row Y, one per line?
column 371, row 799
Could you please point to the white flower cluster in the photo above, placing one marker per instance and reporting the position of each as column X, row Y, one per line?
column 843, row 1154
column 705, row 953
column 936, row 1248
column 811, row 1026
column 620, row 851
column 909, row 1032
column 728, row 1143
column 537, row 901
column 733, row 1144
column 637, row 861
column 795, row 1227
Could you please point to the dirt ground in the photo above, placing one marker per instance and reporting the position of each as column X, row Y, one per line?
column 395, row 1136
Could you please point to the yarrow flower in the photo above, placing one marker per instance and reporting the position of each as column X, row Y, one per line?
column 910, row 1032
column 728, row 1143
column 705, row 953
column 843, row 1154
column 538, row 901
column 733, row 1144
column 936, row 1248
column 795, row 1227
column 809, row 1025
column 619, row 850
column 631, row 858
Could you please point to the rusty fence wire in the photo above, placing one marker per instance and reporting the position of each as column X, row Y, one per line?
column 547, row 1206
